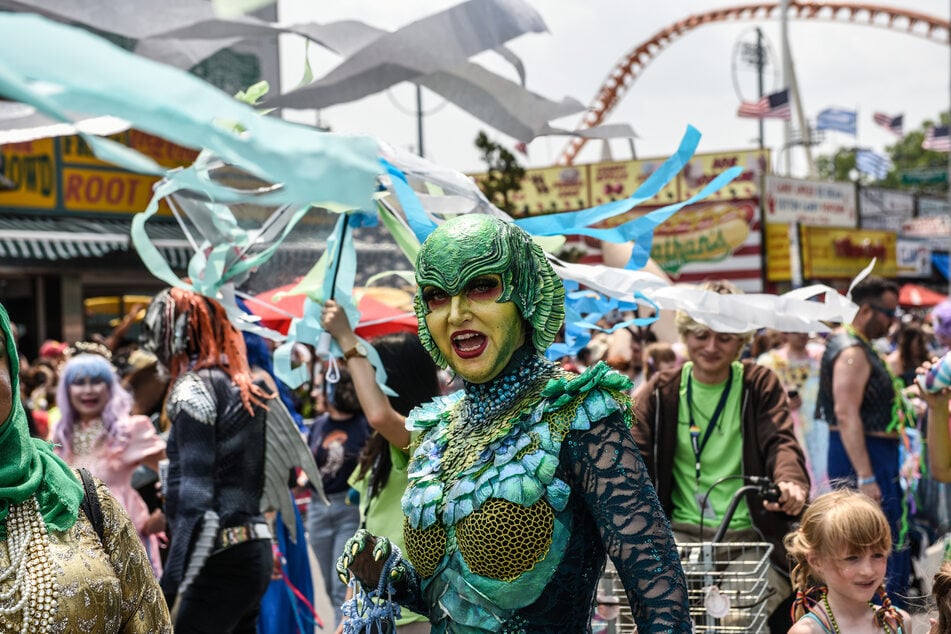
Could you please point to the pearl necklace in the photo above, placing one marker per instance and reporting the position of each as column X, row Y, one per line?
column 835, row 624
column 86, row 437
column 28, row 585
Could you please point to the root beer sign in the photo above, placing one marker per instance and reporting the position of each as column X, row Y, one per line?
column 63, row 174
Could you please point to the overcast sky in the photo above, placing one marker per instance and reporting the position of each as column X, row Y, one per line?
column 690, row 81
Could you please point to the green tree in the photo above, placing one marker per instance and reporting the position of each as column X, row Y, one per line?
column 906, row 155
column 503, row 173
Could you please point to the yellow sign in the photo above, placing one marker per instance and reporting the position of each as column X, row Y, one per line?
column 75, row 151
column 32, row 167
column 703, row 168
column 840, row 253
column 556, row 189
column 777, row 252
column 81, row 182
column 105, row 190
column 620, row 179
column 551, row 190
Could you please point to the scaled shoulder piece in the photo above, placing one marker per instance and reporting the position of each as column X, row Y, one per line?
column 562, row 390
column 191, row 395
column 428, row 414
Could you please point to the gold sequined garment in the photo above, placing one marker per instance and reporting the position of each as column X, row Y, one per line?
column 101, row 593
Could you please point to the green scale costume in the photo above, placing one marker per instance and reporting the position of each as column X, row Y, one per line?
column 519, row 487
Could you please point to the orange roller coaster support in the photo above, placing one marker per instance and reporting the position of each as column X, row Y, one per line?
column 633, row 64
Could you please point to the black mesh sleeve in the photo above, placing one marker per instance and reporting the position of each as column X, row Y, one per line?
column 606, row 467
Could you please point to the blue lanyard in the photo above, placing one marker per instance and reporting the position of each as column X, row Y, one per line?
column 695, row 441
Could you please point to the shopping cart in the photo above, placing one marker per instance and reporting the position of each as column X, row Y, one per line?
column 727, row 582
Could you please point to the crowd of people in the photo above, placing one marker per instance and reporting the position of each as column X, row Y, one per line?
column 488, row 502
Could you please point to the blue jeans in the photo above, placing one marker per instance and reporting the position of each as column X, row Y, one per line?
column 329, row 528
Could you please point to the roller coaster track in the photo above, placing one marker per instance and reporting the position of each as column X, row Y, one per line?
column 621, row 78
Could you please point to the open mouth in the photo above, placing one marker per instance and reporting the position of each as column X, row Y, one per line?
column 469, row 343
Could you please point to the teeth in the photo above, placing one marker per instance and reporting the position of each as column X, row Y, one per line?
column 467, row 341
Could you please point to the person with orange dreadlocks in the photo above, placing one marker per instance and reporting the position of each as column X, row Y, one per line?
column 220, row 559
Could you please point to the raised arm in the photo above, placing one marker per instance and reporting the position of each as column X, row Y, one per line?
column 374, row 403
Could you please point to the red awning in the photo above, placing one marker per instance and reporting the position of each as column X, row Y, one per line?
column 919, row 296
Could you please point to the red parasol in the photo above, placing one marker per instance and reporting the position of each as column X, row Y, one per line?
column 392, row 312
column 919, row 296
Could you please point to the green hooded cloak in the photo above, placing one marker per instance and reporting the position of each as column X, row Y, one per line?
column 28, row 466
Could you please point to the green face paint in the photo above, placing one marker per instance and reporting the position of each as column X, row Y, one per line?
column 477, row 244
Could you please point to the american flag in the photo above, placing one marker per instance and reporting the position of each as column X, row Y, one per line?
column 937, row 139
column 890, row 123
column 773, row 106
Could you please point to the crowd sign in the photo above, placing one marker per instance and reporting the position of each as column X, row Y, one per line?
column 62, row 174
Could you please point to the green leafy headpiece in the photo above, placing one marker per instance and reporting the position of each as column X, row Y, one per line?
column 477, row 244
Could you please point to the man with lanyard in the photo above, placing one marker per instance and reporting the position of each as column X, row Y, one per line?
column 718, row 418
column 866, row 412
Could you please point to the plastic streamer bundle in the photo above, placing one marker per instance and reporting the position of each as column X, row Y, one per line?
column 373, row 612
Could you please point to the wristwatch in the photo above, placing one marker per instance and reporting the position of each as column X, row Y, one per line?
column 358, row 350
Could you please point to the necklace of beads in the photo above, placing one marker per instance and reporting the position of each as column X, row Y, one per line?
column 835, row 624
column 85, row 438
column 486, row 403
column 27, row 585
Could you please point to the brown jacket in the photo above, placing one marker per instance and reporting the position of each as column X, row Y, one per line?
column 769, row 446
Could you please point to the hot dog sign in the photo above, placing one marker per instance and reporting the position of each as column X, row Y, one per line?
column 702, row 233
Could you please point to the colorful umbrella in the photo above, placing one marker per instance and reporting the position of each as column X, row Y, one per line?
column 382, row 310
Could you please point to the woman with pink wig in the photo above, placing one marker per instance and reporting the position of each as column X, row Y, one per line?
column 97, row 432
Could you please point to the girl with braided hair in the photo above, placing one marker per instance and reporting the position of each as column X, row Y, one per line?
column 840, row 553
column 941, row 591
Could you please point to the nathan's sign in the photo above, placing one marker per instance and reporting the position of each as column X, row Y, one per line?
column 708, row 232
column 838, row 253
column 63, row 174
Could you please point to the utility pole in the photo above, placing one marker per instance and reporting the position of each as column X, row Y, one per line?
column 760, row 62
column 419, row 121
column 787, row 74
